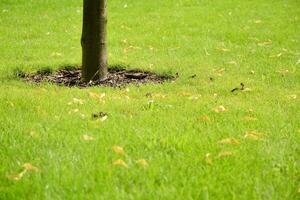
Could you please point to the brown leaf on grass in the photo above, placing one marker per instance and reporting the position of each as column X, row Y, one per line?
column 219, row 109
column 98, row 96
column 118, row 150
column 276, row 56
column 249, row 118
column 229, row 141
column 102, row 119
column 220, row 71
column 87, row 137
column 208, row 159
column 292, row 96
column 26, row 167
column 76, row 101
column 120, row 162
column 74, row 111
column 222, row 49
column 17, row 177
column 225, row 154
column 257, row 21
column 185, row 94
column 204, row 118
column 30, row 167
column 232, row 62
column 253, row 135
column 246, row 90
column 33, row 134
column 142, row 162
column 265, row 43
column 194, row 97
column 283, row 72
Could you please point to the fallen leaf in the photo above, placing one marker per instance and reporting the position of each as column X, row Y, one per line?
column 193, row 98
column 225, row 154
column 17, row 177
column 223, row 49
column 76, row 101
column 249, row 118
column 265, row 43
column 56, row 54
column 276, row 56
column 232, row 63
column 186, row 94
column 253, row 135
column 118, row 150
column 208, row 159
column 74, row 111
column 220, row 109
column 229, row 141
column 246, row 90
column 120, row 162
column 30, row 167
column 283, row 72
column 98, row 96
column 204, row 118
column 292, row 96
column 142, row 162
column 257, row 21
column 102, row 119
column 87, row 138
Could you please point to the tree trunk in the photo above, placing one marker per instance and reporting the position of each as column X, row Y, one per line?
column 94, row 40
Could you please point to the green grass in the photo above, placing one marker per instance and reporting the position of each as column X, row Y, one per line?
column 185, row 36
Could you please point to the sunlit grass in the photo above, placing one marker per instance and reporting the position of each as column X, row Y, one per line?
column 190, row 139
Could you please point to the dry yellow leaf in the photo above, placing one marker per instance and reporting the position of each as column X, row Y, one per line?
column 102, row 119
column 17, row 177
column 120, row 162
column 204, row 118
column 76, row 101
column 246, row 90
column 257, row 21
column 74, row 111
column 87, row 138
column 253, row 135
column 118, row 150
column 283, row 72
column 208, row 159
column 265, row 43
column 222, row 49
column 219, row 109
column 98, row 96
column 249, row 118
column 225, row 154
column 276, row 56
column 232, row 62
column 193, row 98
column 229, row 141
column 292, row 96
column 30, row 167
column 142, row 162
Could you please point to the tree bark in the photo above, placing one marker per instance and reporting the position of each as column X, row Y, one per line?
column 94, row 40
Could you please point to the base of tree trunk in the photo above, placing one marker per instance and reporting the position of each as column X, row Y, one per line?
column 116, row 77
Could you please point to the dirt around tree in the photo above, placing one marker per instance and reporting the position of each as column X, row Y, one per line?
column 116, row 77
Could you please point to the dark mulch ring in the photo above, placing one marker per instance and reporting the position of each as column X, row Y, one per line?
column 116, row 77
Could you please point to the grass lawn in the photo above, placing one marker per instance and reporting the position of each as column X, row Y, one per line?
column 192, row 139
